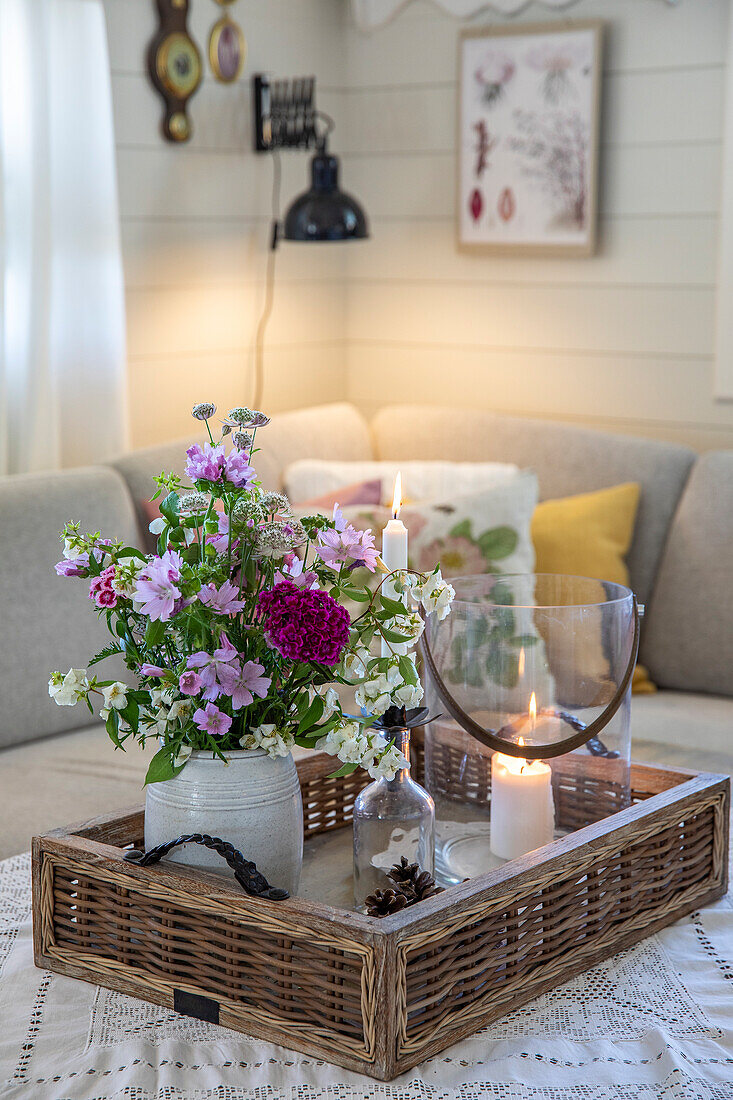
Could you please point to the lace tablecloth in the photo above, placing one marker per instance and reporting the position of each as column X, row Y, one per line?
column 653, row 1023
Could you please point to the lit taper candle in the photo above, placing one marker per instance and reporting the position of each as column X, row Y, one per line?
column 394, row 548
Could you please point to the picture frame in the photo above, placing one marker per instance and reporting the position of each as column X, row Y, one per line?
column 528, row 138
column 227, row 50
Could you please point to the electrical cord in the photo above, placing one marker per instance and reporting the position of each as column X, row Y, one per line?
column 269, row 282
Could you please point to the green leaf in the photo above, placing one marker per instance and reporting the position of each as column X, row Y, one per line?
column 356, row 594
column 347, row 769
column 311, row 716
column 498, row 543
column 462, row 530
column 394, row 637
column 108, row 651
column 112, row 725
column 170, row 508
column 407, row 670
column 154, row 632
column 393, row 607
column 131, row 552
column 160, row 767
column 131, row 714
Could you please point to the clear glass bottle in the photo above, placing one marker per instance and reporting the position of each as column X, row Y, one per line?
column 392, row 818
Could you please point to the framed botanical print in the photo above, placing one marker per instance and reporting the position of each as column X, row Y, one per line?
column 529, row 100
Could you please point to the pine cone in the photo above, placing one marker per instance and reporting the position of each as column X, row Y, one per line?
column 415, row 884
column 382, row 903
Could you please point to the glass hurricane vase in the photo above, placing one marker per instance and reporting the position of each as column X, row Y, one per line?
column 392, row 818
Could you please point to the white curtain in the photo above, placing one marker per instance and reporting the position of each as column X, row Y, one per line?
column 62, row 329
column 375, row 13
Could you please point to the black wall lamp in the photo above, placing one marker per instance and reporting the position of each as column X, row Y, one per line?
column 285, row 117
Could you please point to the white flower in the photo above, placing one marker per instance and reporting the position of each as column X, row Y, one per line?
column 156, row 526
column 68, row 690
column 409, row 625
column 275, row 742
column 181, row 710
column 388, row 764
column 182, row 756
column 435, row 595
column 160, row 697
column 73, row 548
column 375, row 695
column 345, row 732
column 409, row 695
column 355, row 661
column 115, row 695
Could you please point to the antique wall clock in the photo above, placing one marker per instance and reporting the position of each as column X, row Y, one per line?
column 174, row 64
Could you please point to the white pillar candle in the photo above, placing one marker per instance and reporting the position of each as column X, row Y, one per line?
column 522, row 808
column 394, row 552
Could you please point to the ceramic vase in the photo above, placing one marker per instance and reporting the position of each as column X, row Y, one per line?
column 252, row 801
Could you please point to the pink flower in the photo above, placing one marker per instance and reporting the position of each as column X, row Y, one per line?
column 205, row 463
column 221, row 599
column 101, row 590
column 220, row 542
column 212, row 720
column 347, row 546
column 304, row 625
column 151, row 670
column 190, row 683
column 250, row 682
column 238, row 470
column 218, row 676
column 458, row 557
column 156, row 590
column 78, row 567
column 292, row 570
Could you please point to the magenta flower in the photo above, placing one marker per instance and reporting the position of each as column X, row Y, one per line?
column 101, row 590
column 304, row 625
column 217, row 673
column 190, row 683
column 156, row 590
column 238, row 470
column 212, row 720
column 221, row 599
column 205, row 463
column 250, row 682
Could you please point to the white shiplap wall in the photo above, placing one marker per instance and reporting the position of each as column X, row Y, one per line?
column 623, row 340
column 195, row 222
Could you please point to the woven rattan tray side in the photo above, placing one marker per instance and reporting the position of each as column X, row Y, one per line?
column 377, row 996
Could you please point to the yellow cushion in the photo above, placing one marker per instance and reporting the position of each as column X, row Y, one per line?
column 589, row 535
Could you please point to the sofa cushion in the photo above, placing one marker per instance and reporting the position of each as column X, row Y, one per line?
column 696, row 723
column 48, row 622
column 568, row 460
column 689, row 630
column 421, row 481
column 65, row 780
column 139, row 467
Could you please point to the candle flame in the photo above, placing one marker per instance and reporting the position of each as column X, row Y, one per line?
column 521, row 663
column 533, row 709
column 397, row 498
column 520, row 741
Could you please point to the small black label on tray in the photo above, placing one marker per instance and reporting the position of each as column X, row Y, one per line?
column 192, row 1004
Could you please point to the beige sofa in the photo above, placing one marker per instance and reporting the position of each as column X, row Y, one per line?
column 681, row 566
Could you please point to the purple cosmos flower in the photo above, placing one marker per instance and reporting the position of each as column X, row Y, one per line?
column 76, row 567
column 217, row 673
column 238, row 470
column 250, row 682
column 212, row 720
column 347, row 546
column 151, row 670
column 304, row 625
column 190, row 683
column 156, row 590
column 221, row 599
column 205, row 463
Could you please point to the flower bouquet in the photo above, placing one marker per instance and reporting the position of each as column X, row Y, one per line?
column 235, row 631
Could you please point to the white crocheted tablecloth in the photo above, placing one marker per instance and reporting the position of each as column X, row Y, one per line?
column 653, row 1023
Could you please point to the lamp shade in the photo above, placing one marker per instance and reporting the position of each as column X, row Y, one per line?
column 325, row 212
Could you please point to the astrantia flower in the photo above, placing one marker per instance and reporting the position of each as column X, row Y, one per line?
column 274, row 503
column 240, row 415
column 218, row 675
column 193, row 503
column 304, row 624
column 247, row 512
column 224, row 599
column 204, row 410
column 242, row 440
column 156, row 591
column 278, row 538
column 212, row 720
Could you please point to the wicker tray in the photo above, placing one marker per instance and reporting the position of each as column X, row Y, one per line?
column 376, row 996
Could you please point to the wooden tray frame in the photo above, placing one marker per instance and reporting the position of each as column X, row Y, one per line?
column 377, row 996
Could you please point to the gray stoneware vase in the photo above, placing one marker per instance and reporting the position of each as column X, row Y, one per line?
column 252, row 801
